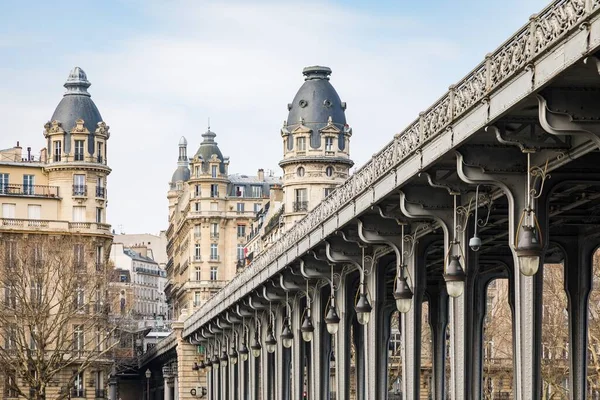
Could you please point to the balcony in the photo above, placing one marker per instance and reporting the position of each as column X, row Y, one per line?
column 214, row 257
column 29, row 190
column 100, row 192
column 17, row 224
column 300, row 206
column 214, row 235
column 80, row 190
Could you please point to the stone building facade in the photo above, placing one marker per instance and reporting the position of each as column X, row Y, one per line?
column 55, row 203
column 316, row 157
column 210, row 212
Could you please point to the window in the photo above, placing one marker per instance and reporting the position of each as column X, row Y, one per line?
column 197, row 171
column 197, row 231
column 78, row 255
column 10, row 338
column 198, row 273
column 10, row 296
column 240, row 207
column 79, row 150
column 301, row 203
column 300, row 172
column 257, row 207
column 99, row 258
column 240, row 191
column 240, row 251
column 197, row 190
column 10, row 385
column 3, row 183
column 329, row 171
column 78, row 343
column 57, row 150
column 77, row 389
column 214, row 230
column 301, row 144
column 241, row 231
column 79, row 299
column 197, row 297
column 78, row 213
column 328, row 144
column 197, row 253
column 99, row 216
column 214, row 190
column 28, row 182
column 10, row 253
column 214, row 252
column 8, row 210
column 327, row 191
column 79, row 188
column 100, row 188
column 33, row 337
column 34, row 211
column 100, row 158
column 257, row 191
column 213, row 273
column 213, row 171
column 197, row 206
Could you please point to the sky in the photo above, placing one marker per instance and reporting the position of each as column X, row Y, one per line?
column 161, row 68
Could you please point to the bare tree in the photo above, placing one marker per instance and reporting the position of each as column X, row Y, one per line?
column 54, row 321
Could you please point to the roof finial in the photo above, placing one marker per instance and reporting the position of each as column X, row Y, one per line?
column 77, row 82
column 209, row 123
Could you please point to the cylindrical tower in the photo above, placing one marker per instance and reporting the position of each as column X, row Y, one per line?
column 77, row 146
column 316, row 144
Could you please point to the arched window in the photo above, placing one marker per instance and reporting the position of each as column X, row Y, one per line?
column 300, row 171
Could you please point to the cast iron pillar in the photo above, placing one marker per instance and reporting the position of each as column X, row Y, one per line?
column 438, row 320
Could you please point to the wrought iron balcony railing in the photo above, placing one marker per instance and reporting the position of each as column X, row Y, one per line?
column 300, row 206
column 100, row 192
column 28, row 190
column 79, row 190
column 77, row 392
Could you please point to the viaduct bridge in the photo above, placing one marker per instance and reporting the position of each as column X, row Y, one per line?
column 496, row 178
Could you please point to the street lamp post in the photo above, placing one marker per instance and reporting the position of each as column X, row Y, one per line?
column 148, row 375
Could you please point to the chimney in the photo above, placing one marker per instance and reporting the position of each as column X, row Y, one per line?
column 276, row 194
column 261, row 175
column 29, row 154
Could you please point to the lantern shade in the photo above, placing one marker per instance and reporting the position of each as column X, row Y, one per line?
column 332, row 319
column 363, row 309
column 403, row 295
column 529, row 250
column 455, row 277
column 244, row 352
column 287, row 337
column 233, row 356
column 270, row 342
column 307, row 327
column 224, row 358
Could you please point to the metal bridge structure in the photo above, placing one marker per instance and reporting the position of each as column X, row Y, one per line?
column 497, row 177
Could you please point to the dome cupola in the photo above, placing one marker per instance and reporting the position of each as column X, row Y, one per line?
column 208, row 148
column 182, row 173
column 316, row 105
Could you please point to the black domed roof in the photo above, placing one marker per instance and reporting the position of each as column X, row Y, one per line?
column 77, row 103
column 315, row 102
column 208, row 147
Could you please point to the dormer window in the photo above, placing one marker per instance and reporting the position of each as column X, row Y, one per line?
column 239, row 191
column 197, row 171
column 79, row 150
column 301, row 144
column 213, row 170
column 57, row 150
column 100, row 152
column 328, row 144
